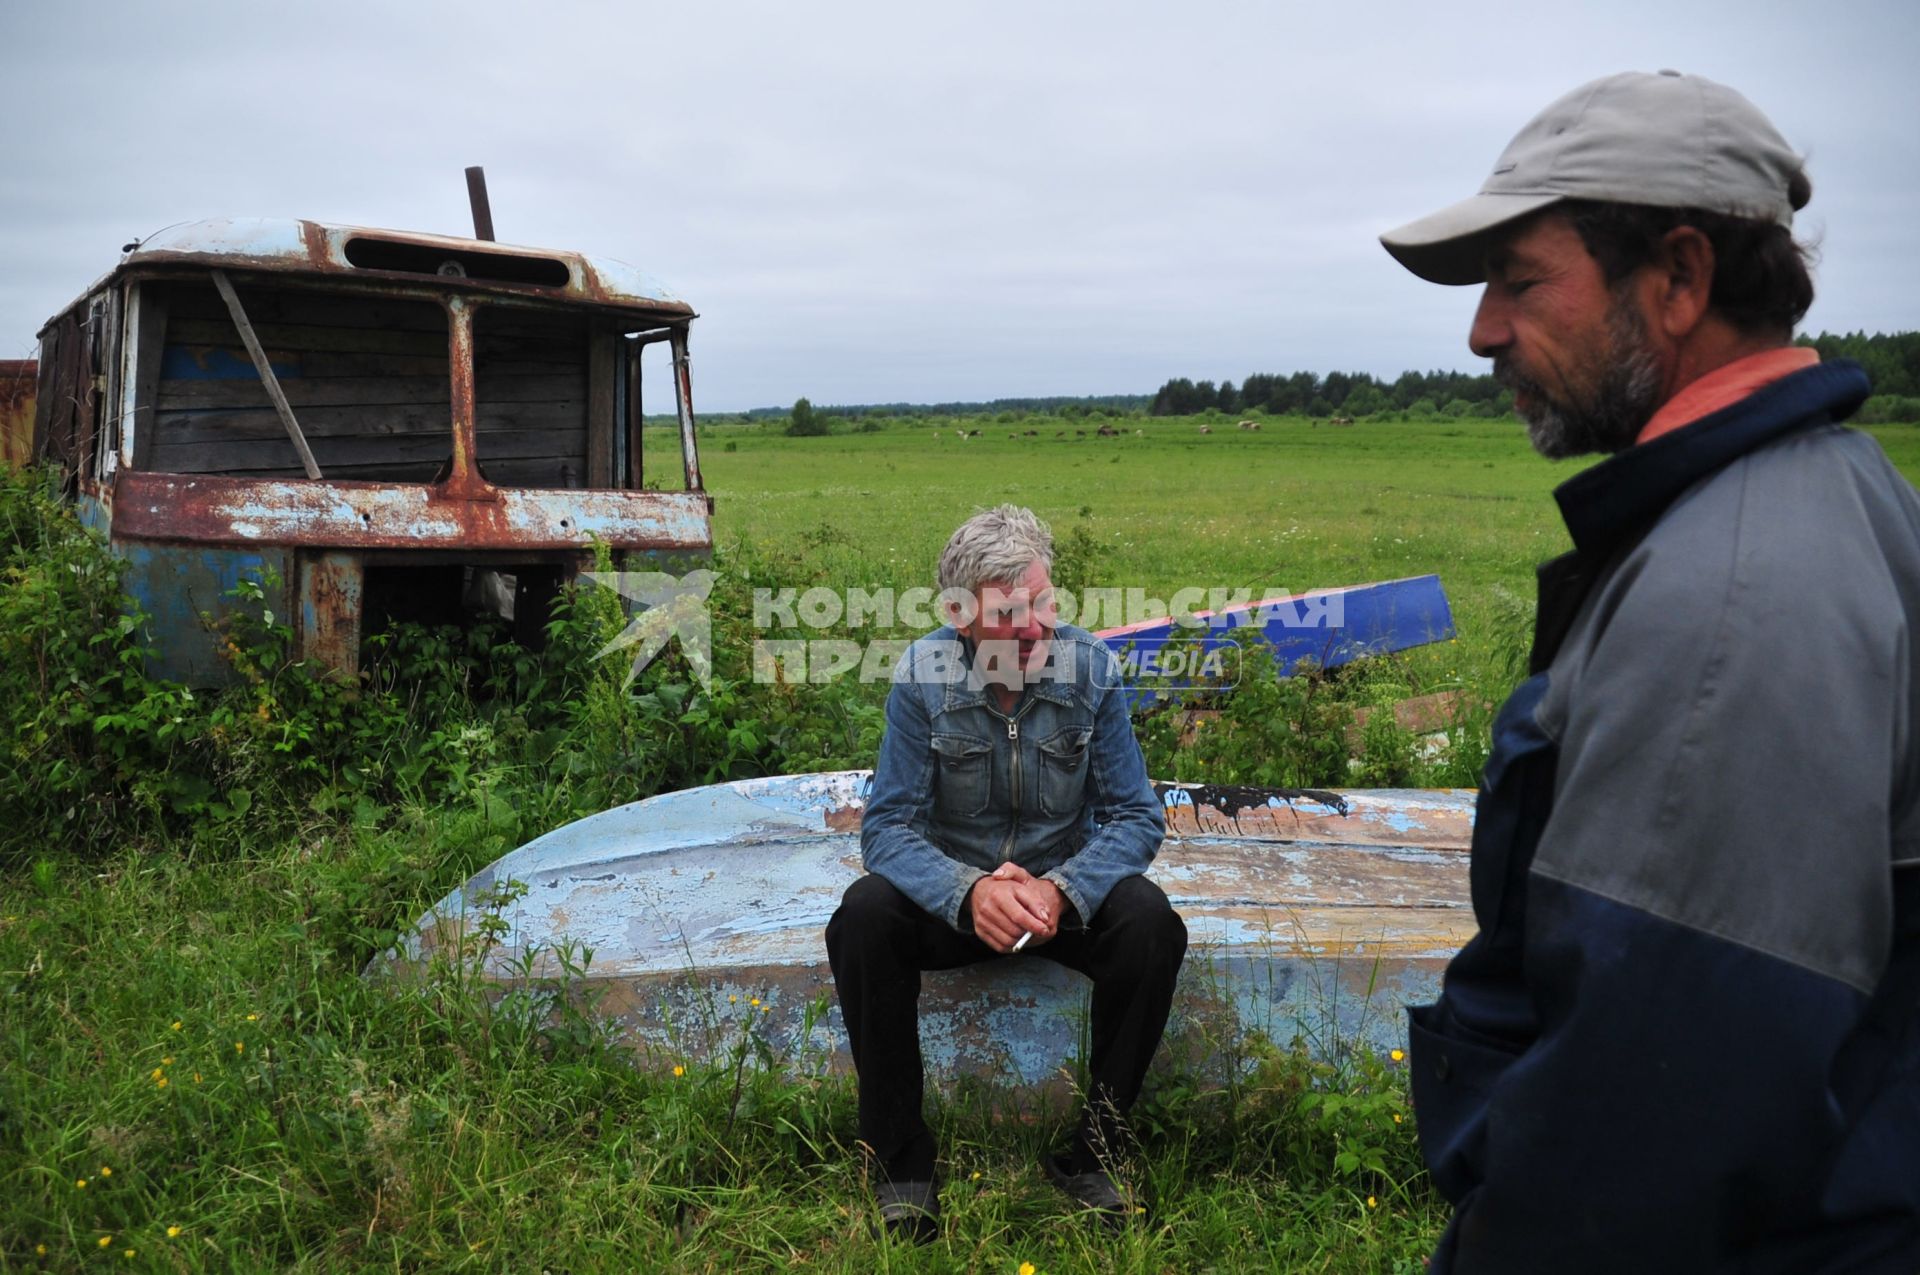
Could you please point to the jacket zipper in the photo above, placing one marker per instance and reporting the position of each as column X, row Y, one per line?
column 1013, row 735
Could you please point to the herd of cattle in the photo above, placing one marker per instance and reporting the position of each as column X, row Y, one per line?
column 1108, row 431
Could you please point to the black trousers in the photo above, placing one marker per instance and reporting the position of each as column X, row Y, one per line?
column 878, row 943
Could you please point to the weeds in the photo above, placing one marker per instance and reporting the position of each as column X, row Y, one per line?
column 192, row 881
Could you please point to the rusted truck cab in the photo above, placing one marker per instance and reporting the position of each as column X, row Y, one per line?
column 389, row 425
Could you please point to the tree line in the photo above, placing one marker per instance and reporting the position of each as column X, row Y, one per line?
column 1891, row 360
column 1337, row 393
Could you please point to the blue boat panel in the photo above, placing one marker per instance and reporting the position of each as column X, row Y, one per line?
column 1327, row 629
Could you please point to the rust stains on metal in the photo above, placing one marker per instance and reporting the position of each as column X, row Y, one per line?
column 373, row 515
column 331, row 587
column 19, row 379
column 465, row 482
column 309, row 247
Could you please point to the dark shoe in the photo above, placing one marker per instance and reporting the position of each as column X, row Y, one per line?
column 1093, row 1190
column 909, row 1210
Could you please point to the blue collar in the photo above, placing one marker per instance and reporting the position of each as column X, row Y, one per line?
column 1609, row 502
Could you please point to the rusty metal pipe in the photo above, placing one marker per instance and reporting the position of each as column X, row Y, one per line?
column 477, row 196
column 683, row 387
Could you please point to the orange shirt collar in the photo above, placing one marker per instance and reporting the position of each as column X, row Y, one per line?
column 1725, row 386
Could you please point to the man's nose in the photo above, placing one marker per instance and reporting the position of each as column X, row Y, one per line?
column 1491, row 331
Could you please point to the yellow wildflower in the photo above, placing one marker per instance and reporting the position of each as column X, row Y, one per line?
column 105, row 1172
column 176, row 1024
column 79, row 1184
column 106, row 1241
column 157, row 1072
column 239, row 1047
column 975, row 1177
column 678, row 1070
column 755, row 1002
column 173, row 1232
column 1372, row 1203
column 253, row 1018
column 732, row 999
column 766, row 1009
column 160, row 1083
column 1396, row 1054
column 1026, row 1268
column 196, row 1077
column 127, row 1253
column 166, row 1062
column 39, row 1250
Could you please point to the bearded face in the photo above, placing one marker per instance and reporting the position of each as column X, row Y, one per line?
column 1604, row 394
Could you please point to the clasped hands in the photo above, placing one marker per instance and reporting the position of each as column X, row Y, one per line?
column 1012, row 902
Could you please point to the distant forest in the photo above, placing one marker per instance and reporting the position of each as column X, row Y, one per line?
column 1892, row 360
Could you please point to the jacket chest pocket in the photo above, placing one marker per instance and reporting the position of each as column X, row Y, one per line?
column 1063, row 770
column 963, row 778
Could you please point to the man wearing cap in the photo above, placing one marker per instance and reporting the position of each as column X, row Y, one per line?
column 1684, row 1038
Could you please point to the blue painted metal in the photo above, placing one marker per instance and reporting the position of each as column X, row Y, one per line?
column 175, row 586
column 1312, row 917
column 1327, row 627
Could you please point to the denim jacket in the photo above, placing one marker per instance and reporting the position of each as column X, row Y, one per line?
column 1058, row 785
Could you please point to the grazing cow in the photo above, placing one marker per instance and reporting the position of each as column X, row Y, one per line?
column 1139, row 433
column 1079, row 433
column 1249, row 424
column 1107, row 431
column 1342, row 420
column 1206, row 429
column 1059, row 433
column 973, row 433
column 1033, row 433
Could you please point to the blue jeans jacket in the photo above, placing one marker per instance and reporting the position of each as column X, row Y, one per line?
column 1057, row 786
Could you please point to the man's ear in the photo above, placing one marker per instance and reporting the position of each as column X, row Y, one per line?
column 1684, row 284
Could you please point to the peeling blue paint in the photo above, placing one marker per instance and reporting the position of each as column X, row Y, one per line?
column 692, row 896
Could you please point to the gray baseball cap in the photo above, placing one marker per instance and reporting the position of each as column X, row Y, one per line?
column 1666, row 139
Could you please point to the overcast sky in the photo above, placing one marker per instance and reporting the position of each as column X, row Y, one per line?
column 914, row 202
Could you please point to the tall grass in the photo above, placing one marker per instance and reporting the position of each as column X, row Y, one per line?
column 192, row 882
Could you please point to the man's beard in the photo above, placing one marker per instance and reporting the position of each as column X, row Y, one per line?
column 1626, row 391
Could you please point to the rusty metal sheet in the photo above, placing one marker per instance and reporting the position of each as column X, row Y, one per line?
column 176, row 585
column 19, row 382
column 331, row 586
column 310, row 247
column 349, row 514
column 1312, row 916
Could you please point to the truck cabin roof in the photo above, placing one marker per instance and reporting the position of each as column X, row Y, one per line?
column 406, row 260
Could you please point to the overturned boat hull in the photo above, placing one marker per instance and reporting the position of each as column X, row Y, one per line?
column 1312, row 916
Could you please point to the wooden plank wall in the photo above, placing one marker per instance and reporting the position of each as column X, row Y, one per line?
column 530, row 385
column 367, row 379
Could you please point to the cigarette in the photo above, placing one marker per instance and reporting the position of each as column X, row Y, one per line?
column 1025, row 935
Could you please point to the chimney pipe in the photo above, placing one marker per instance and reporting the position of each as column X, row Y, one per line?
column 477, row 196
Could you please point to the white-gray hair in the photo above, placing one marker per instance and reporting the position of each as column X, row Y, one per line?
column 994, row 547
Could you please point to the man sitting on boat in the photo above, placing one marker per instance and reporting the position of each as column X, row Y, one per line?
column 1010, row 813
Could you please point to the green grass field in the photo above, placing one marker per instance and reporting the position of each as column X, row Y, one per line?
column 194, row 1076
